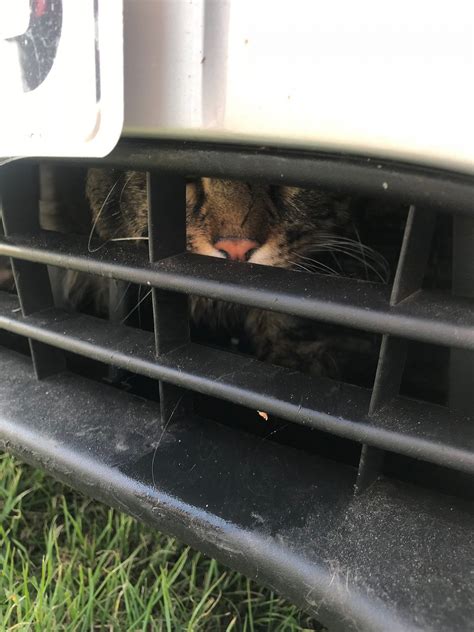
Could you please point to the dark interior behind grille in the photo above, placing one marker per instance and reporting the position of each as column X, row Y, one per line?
column 398, row 425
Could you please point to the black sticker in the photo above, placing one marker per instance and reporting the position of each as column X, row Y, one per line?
column 38, row 45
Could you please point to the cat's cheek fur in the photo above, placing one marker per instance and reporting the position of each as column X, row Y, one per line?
column 272, row 253
column 198, row 243
column 264, row 255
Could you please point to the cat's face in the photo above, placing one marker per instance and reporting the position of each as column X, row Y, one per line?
column 270, row 225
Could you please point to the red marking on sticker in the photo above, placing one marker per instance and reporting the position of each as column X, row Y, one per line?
column 40, row 8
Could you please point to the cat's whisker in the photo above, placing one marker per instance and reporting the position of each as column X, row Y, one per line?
column 351, row 245
column 139, row 305
column 122, row 298
column 124, row 187
column 136, row 306
column 370, row 258
column 364, row 262
column 126, row 239
column 374, row 256
column 368, row 252
column 97, row 217
column 318, row 263
column 314, row 268
column 298, row 265
column 382, row 275
column 328, row 237
column 361, row 250
column 323, row 271
column 108, row 241
column 337, row 262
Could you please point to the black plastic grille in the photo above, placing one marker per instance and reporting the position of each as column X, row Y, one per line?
column 379, row 418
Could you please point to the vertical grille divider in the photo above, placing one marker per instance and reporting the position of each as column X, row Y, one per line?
column 412, row 262
column 461, row 365
column 19, row 190
column 119, row 307
column 167, row 237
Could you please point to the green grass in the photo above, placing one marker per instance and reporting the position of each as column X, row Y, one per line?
column 70, row 563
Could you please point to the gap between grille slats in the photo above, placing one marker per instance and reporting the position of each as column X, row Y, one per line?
column 413, row 428
column 19, row 208
column 428, row 316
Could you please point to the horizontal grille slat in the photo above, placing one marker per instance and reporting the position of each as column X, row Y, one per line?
column 427, row 316
column 411, row 184
column 416, row 429
column 277, row 511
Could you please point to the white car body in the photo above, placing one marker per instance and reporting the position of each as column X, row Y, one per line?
column 389, row 80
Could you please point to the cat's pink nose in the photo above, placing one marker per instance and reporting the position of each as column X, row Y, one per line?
column 237, row 249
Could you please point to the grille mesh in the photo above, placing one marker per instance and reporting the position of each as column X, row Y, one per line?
column 379, row 418
column 389, row 556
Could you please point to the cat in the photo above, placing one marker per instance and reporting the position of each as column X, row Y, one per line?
column 307, row 230
column 284, row 226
